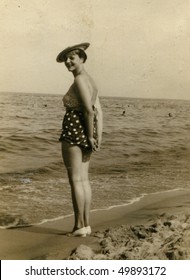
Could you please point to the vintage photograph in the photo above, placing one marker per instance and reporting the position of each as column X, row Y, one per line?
column 94, row 130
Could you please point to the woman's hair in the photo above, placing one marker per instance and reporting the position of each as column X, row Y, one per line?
column 80, row 53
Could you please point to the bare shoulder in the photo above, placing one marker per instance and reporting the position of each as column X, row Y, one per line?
column 81, row 81
column 85, row 81
column 80, row 78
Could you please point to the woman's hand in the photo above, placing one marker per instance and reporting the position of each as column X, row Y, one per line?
column 93, row 144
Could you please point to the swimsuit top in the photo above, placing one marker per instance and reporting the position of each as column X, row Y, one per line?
column 71, row 101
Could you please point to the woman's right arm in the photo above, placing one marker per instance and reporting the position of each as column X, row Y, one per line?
column 99, row 122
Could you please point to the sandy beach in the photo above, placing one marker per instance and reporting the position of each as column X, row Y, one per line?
column 155, row 227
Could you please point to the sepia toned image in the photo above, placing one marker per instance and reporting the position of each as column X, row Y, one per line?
column 94, row 130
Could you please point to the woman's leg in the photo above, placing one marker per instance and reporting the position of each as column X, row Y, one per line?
column 86, row 187
column 72, row 156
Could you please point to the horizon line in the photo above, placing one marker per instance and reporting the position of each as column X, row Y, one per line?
column 104, row 96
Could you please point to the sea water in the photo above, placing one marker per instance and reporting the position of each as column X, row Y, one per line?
column 144, row 150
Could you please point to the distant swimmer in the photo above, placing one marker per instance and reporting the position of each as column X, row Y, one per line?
column 170, row 115
column 123, row 114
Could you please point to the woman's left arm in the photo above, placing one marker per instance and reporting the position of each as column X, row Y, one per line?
column 99, row 122
column 84, row 94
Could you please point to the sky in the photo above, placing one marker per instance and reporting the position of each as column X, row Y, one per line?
column 138, row 48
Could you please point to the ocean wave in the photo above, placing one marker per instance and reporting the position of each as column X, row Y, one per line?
column 26, row 175
column 22, row 117
column 26, row 180
column 14, row 222
column 9, row 221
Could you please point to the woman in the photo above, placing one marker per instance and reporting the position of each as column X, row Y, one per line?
column 81, row 133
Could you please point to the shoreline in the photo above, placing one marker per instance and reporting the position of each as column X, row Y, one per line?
column 49, row 241
column 131, row 202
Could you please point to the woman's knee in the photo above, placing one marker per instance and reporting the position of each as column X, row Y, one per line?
column 75, row 179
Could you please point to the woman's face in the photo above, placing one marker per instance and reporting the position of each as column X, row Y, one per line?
column 73, row 61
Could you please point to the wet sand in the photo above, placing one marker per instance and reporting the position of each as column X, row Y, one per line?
column 155, row 227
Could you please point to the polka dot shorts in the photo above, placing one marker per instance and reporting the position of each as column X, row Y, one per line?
column 73, row 129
